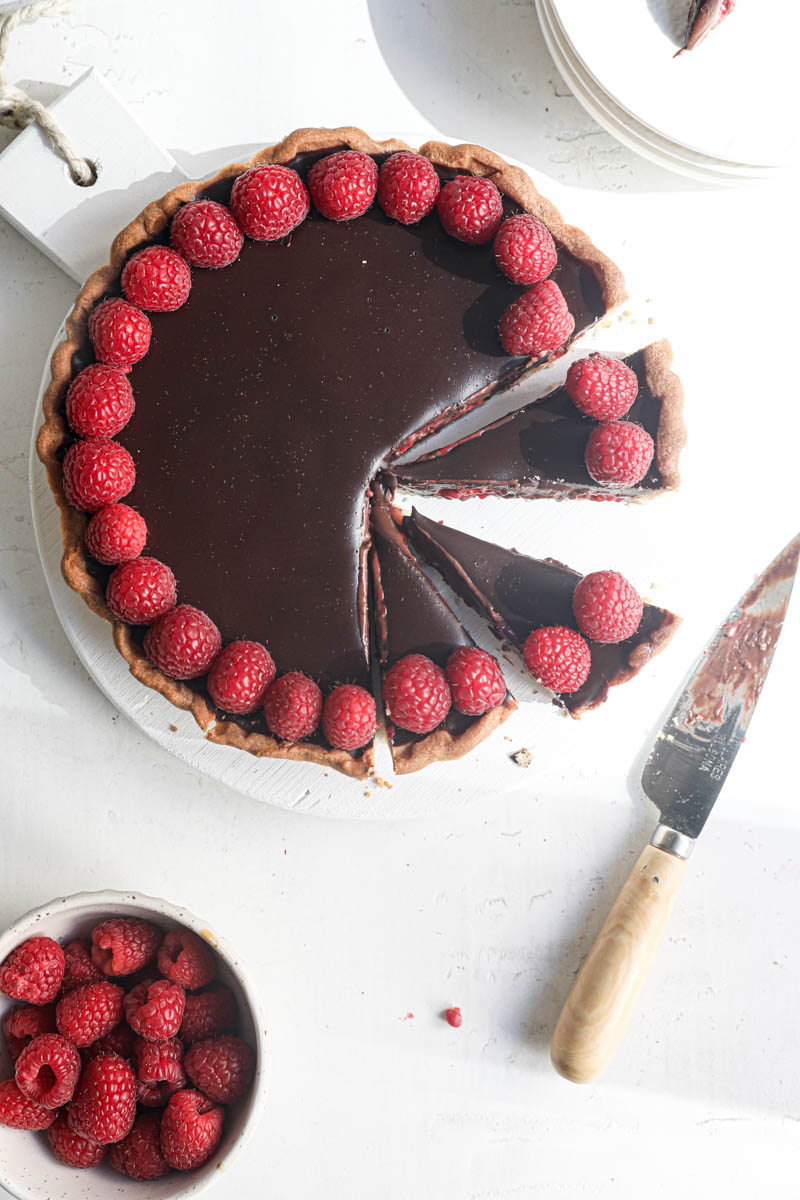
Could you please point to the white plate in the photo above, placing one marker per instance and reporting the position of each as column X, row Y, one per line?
column 543, row 527
column 733, row 98
column 624, row 127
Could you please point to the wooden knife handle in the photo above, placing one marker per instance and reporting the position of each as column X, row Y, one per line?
column 604, row 995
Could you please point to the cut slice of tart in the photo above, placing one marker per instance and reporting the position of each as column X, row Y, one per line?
column 412, row 617
column 539, row 450
column 519, row 594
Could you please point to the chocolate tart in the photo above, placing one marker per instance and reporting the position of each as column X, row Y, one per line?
column 269, row 402
column 518, row 594
column 411, row 616
column 539, row 449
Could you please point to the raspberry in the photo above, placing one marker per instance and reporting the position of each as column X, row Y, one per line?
column 476, row 681
column 18, row 1111
column 115, row 534
column 183, row 643
column 293, row 706
column 48, row 1069
column 416, row 694
column 619, row 452
column 73, row 1148
column 206, row 234
column 186, row 959
column 104, row 1104
column 25, row 1023
column 89, row 1012
column 221, row 1067
column 348, row 717
column 79, row 967
column 157, row 279
column 141, row 591
column 558, row 657
column 99, row 402
column 154, row 1009
column 524, row 249
column 208, row 1014
column 538, row 323
column 600, row 387
column 343, row 185
column 607, row 607
column 120, row 333
column 240, row 676
column 190, row 1130
column 453, row 1017
column 119, row 1041
column 470, row 209
column 139, row 1154
column 269, row 202
column 33, row 971
column 161, row 1062
column 122, row 945
column 97, row 473
column 408, row 187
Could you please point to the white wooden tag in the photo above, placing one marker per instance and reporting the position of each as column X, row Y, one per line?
column 72, row 225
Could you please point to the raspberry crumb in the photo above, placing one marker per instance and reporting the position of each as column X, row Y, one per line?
column 453, row 1017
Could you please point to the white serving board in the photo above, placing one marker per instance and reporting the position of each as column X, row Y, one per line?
column 642, row 541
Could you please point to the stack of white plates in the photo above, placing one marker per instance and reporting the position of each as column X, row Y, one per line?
column 723, row 113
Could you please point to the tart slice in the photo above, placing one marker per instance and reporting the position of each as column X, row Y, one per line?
column 519, row 594
column 540, row 450
column 412, row 617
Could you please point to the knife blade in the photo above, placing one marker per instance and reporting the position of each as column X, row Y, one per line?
column 694, row 751
column 684, row 773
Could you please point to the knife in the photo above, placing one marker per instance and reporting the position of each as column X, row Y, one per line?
column 683, row 775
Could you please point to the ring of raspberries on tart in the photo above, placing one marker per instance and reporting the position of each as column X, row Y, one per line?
column 140, row 1073
column 226, row 413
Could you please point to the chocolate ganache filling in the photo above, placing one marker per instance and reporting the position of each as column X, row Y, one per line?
column 272, row 398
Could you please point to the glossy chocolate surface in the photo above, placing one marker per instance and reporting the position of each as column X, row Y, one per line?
column 270, row 400
column 520, row 594
column 534, row 450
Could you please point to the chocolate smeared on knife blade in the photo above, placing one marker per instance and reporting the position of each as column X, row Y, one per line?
column 695, row 750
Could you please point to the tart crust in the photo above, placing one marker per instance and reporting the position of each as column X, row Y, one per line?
column 151, row 224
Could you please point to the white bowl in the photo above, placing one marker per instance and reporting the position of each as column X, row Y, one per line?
column 28, row 1168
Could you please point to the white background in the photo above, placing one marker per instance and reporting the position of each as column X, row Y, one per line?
column 348, row 926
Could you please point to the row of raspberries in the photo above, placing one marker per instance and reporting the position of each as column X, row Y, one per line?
column 607, row 609
column 269, row 202
column 418, row 694
column 618, row 452
column 114, row 1062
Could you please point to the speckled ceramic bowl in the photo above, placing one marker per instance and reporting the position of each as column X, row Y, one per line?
column 28, row 1168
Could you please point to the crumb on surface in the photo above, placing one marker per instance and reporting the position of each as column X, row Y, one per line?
column 173, row 728
column 523, row 757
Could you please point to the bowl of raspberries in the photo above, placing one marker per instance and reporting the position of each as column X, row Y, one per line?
column 132, row 1050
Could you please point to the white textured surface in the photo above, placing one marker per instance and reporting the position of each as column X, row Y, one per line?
column 348, row 927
